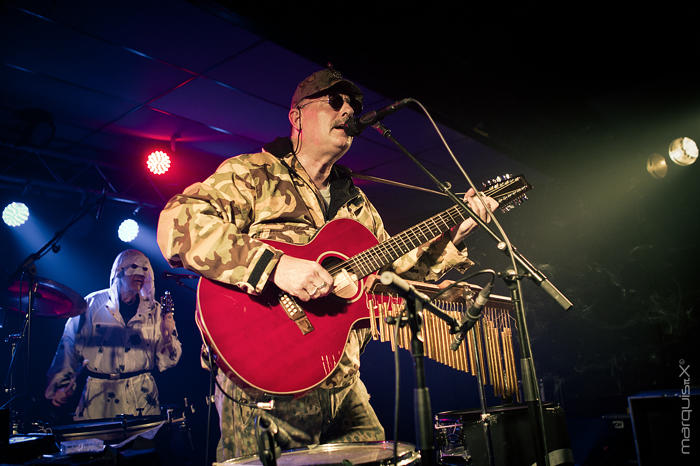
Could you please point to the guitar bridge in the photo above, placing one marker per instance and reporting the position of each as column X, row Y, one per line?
column 296, row 313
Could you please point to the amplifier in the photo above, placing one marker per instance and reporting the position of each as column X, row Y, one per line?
column 663, row 423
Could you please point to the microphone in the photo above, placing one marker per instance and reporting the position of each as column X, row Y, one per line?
column 355, row 126
column 267, row 425
column 472, row 316
column 268, row 448
column 178, row 276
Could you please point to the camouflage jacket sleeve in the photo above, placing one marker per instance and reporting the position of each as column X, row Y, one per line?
column 204, row 229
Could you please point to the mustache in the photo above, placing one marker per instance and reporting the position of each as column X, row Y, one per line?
column 342, row 122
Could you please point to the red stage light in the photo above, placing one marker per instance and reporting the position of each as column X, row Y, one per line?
column 158, row 162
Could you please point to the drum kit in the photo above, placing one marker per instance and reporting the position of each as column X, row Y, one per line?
column 29, row 299
column 36, row 297
column 361, row 453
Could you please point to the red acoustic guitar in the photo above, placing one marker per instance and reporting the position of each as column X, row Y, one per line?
column 279, row 345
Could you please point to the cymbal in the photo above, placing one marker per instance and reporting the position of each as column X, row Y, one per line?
column 51, row 299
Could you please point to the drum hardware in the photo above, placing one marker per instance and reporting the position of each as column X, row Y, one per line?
column 460, row 440
column 450, row 442
column 34, row 297
column 364, row 453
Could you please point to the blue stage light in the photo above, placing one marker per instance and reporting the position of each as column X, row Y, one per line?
column 15, row 214
column 128, row 230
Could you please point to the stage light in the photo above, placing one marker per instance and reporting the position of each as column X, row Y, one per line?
column 683, row 151
column 128, row 230
column 158, row 162
column 657, row 166
column 15, row 214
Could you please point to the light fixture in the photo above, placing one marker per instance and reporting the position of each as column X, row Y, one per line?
column 683, row 151
column 15, row 214
column 657, row 166
column 158, row 162
column 128, row 230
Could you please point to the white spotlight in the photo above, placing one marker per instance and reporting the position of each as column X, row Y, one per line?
column 128, row 230
column 683, row 151
column 15, row 214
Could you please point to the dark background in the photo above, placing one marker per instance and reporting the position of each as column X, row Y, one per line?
column 576, row 98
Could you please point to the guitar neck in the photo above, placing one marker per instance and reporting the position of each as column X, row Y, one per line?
column 506, row 192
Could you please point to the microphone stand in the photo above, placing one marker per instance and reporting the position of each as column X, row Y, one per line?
column 529, row 378
column 28, row 268
column 421, row 396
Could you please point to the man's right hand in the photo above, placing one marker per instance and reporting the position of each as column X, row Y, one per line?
column 62, row 395
column 302, row 278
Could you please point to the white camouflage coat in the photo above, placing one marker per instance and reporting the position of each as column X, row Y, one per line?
column 100, row 341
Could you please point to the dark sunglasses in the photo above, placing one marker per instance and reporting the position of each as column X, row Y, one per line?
column 336, row 102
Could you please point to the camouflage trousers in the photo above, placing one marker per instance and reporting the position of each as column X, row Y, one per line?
column 335, row 415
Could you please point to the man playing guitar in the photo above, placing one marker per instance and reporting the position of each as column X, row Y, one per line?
column 287, row 192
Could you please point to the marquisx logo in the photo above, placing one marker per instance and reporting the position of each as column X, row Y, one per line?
column 686, row 412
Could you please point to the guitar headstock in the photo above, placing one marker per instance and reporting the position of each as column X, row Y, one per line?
column 508, row 190
column 166, row 303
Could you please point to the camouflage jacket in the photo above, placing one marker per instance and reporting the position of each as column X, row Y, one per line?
column 214, row 227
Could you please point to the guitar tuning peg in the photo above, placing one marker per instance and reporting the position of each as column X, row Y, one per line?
column 507, row 176
column 499, row 179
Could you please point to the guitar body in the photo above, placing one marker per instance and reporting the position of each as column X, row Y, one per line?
column 256, row 343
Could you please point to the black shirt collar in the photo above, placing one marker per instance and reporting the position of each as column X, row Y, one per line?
column 340, row 179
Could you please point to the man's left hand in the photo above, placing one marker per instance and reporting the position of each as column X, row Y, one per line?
column 459, row 232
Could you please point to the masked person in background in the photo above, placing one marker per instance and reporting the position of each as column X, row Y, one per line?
column 118, row 342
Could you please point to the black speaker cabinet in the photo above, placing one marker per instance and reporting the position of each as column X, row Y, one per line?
column 510, row 433
column 666, row 427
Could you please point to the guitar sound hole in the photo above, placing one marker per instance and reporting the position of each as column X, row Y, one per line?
column 331, row 261
column 330, row 305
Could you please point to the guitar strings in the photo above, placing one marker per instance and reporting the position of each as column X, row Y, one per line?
column 368, row 261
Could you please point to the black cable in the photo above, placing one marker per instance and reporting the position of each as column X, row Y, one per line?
column 295, row 149
column 212, row 379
